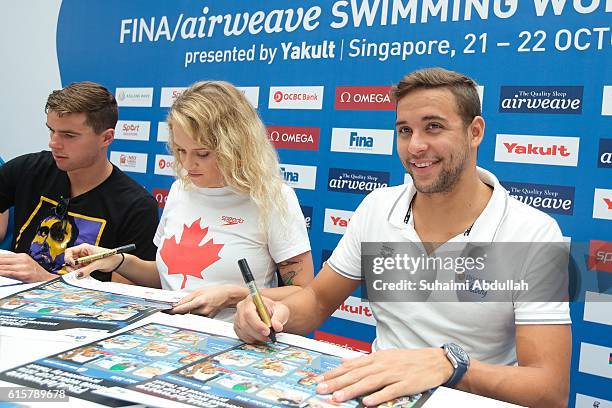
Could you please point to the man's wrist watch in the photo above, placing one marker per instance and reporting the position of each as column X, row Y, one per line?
column 459, row 360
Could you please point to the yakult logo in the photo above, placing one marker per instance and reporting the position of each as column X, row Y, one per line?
column 134, row 97
column 161, row 196
column 356, row 310
column 296, row 97
column 550, row 150
column 132, row 130
column 294, row 137
column 602, row 204
column 129, row 161
column 336, row 221
column 169, row 95
column 364, row 98
column 541, row 99
column 163, row 165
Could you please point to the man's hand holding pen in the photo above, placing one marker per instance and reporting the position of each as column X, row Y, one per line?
column 250, row 327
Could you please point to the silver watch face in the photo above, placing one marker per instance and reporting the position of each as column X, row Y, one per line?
column 458, row 352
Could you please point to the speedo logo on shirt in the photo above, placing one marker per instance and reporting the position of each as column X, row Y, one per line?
column 231, row 220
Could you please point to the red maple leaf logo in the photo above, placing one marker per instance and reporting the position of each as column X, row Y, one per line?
column 188, row 257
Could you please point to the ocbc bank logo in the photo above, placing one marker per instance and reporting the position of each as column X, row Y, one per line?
column 163, row 163
column 278, row 96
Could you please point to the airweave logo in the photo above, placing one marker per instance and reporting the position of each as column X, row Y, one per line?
column 134, row 97
column 551, row 150
column 548, row 198
column 129, row 161
column 541, row 99
column 169, row 95
column 296, row 97
column 163, row 165
column 602, row 204
column 132, row 130
column 294, row 137
column 605, row 153
column 307, row 212
column 356, row 181
column 298, row 176
column 363, row 98
column 336, row 221
column 373, row 141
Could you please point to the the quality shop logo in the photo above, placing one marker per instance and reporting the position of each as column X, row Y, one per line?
column 541, row 99
column 296, row 97
column 364, row 98
column 307, row 212
column 548, row 198
column 356, row 181
column 294, row 137
column 605, row 153
column 533, row 149
column 134, row 97
column 161, row 196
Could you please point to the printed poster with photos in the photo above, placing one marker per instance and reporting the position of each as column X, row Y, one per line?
column 58, row 306
column 163, row 365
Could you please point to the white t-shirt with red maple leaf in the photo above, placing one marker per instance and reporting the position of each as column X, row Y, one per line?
column 203, row 232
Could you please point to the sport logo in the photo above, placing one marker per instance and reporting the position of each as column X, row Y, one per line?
column 132, row 130
column 541, row 99
column 602, row 204
column 161, row 196
column 164, row 165
column 336, row 221
column 296, row 97
column 294, row 137
column 356, row 181
column 605, row 153
column 550, row 150
column 231, row 220
column 307, row 213
column 373, row 141
column 548, row 198
column 298, row 176
column 600, row 256
column 363, row 98
column 169, row 95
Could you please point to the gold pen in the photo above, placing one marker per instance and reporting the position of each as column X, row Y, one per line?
column 259, row 304
column 94, row 257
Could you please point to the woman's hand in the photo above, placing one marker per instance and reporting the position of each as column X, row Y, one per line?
column 209, row 301
column 104, row 265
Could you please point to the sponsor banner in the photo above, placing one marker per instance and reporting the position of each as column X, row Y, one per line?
column 307, row 212
column 605, row 153
column 336, row 221
column 369, row 141
column 169, row 95
column 550, row 150
column 355, row 310
column 129, row 161
column 541, row 99
column 342, row 341
column 586, row 401
column 606, row 101
column 163, row 165
column 163, row 132
column 134, row 97
column 602, row 204
column 600, row 256
column 296, row 97
column 251, row 93
column 597, row 308
column 480, row 90
column 161, row 196
column 407, row 178
column 298, row 176
column 132, row 130
column 545, row 197
column 356, row 181
column 595, row 360
column 294, row 137
column 364, row 98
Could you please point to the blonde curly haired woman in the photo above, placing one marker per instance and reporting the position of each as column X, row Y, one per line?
column 228, row 202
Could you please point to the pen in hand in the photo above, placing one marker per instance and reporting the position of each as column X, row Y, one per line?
column 100, row 255
column 261, row 308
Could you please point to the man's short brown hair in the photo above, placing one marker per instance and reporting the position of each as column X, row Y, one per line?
column 90, row 98
column 463, row 87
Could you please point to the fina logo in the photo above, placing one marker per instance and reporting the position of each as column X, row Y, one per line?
column 605, row 153
column 361, row 141
column 290, row 176
column 356, row 181
column 541, row 99
column 548, row 198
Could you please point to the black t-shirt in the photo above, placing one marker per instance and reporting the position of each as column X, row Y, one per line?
column 117, row 212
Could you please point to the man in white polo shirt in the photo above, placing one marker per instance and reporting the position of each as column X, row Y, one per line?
column 517, row 351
